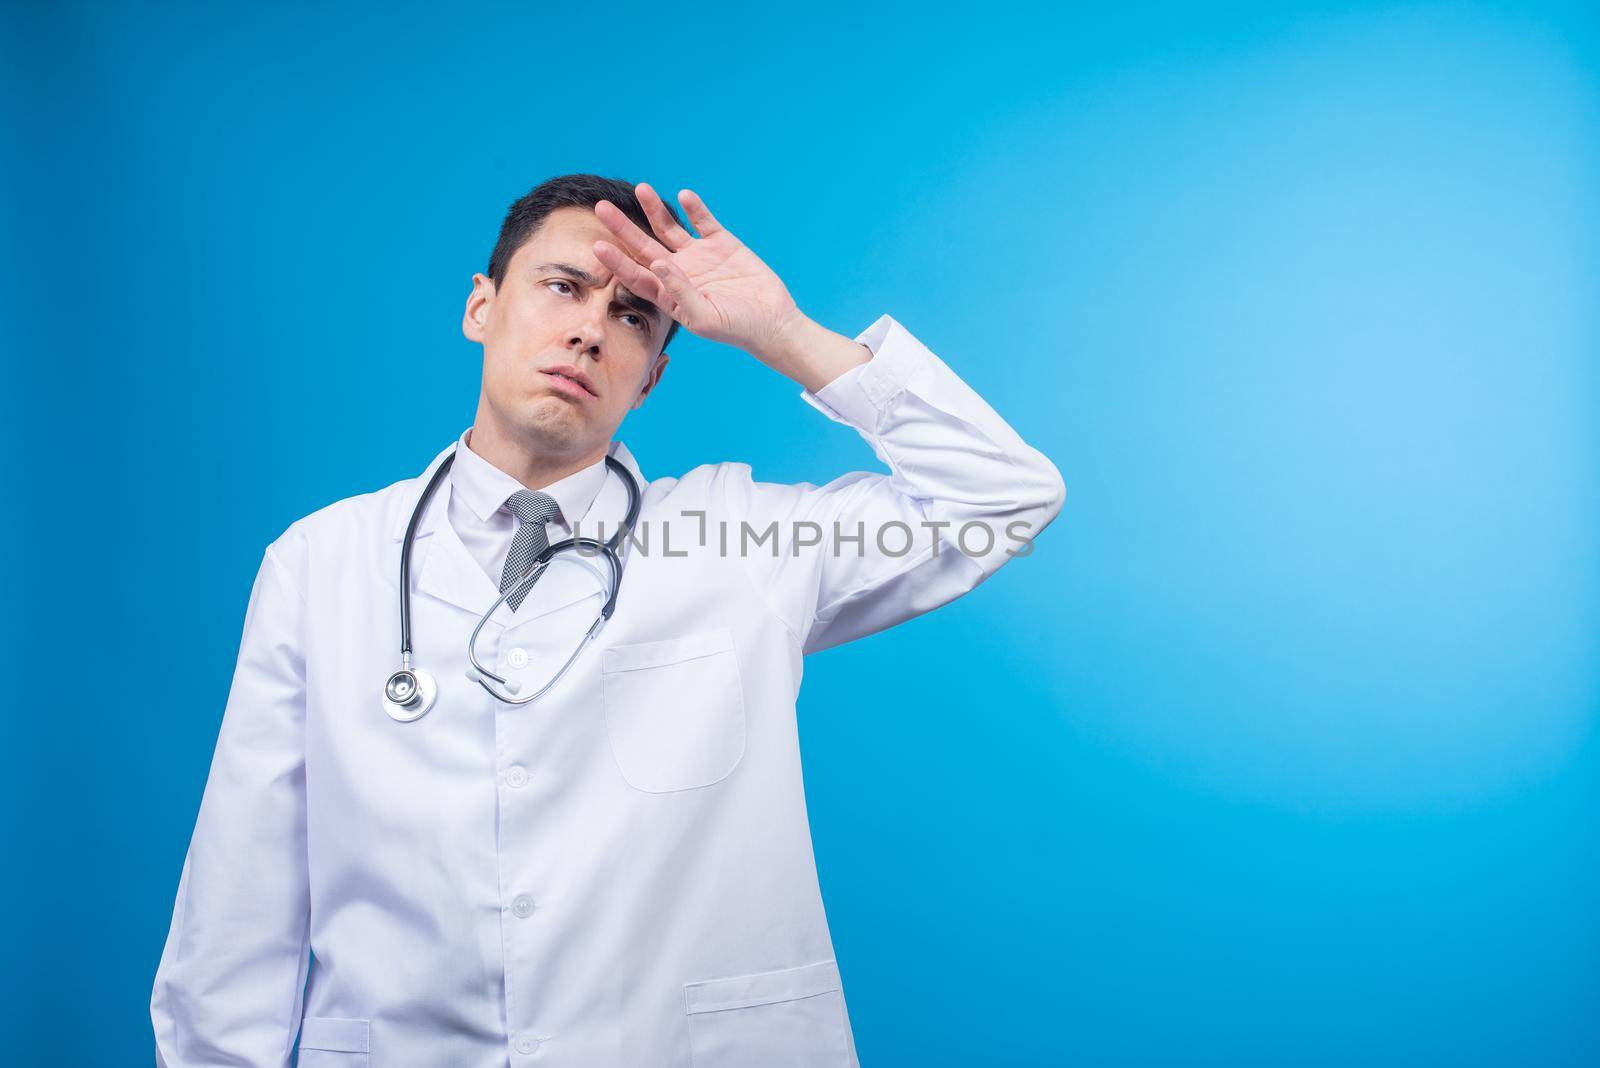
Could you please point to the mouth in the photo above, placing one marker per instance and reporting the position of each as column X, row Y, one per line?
column 571, row 381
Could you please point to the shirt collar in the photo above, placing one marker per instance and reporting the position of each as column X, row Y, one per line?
column 485, row 488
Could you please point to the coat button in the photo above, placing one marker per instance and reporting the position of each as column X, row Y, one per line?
column 517, row 658
column 522, row 905
column 527, row 1043
column 516, row 776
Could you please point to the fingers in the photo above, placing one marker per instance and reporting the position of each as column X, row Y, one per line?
column 698, row 213
column 645, row 264
column 668, row 229
column 686, row 303
column 638, row 244
column 633, row 274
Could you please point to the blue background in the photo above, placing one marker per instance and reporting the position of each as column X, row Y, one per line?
column 1280, row 750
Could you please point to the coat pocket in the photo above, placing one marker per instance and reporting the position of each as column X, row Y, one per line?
column 331, row 1042
column 674, row 710
column 793, row 1017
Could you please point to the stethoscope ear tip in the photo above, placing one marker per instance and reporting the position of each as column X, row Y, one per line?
column 472, row 674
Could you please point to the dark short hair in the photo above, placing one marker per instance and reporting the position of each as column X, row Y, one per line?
column 568, row 191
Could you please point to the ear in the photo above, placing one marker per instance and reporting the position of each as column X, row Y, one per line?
column 650, row 380
column 476, row 318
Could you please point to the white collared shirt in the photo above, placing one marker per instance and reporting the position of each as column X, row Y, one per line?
column 478, row 494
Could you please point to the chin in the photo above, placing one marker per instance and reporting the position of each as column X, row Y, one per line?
column 553, row 425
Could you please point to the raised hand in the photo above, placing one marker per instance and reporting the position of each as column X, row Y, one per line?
column 712, row 284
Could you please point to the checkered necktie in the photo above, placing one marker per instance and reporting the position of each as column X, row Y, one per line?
column 533, row 511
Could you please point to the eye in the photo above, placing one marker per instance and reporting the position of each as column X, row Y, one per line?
column 638, row 320
column 559, row 282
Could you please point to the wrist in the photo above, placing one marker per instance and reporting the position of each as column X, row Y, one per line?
column 811, row 354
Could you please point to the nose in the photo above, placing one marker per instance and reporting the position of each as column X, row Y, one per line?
column 587, row 334
column 585, row 340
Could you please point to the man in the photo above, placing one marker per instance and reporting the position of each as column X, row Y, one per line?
column 620, row 872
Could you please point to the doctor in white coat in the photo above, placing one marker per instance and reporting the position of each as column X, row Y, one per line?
column 619, row 873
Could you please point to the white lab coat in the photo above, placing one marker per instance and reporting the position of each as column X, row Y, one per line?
column 619, row 874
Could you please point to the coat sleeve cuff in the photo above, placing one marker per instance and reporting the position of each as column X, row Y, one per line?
column 857, row 397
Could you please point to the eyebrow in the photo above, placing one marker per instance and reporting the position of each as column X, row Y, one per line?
column 625, row 296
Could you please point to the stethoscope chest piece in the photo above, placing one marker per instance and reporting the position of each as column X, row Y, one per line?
column 408, row 694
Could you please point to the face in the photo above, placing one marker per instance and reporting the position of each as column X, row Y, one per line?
column 567, row 350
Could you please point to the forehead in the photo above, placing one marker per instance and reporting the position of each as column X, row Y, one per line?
column 568, row 235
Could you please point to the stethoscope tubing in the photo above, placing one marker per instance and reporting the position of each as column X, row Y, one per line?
column 507, row 690
column 607, row 549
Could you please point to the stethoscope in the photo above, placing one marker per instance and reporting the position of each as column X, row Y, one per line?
column 411, row 691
